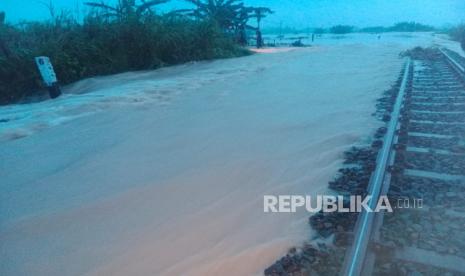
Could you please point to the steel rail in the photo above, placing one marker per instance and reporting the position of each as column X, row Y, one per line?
column 451, row 60
column 353, row 263
column 355, row 257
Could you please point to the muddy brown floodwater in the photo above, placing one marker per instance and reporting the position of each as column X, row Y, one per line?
column 164, row 172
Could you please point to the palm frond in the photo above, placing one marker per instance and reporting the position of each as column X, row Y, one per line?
column 101, row 5
column 147, row 5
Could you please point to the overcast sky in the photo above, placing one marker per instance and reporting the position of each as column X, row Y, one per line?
column 299, row 13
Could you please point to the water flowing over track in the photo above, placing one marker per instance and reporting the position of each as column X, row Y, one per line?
column 417, row 160
column 422, row 162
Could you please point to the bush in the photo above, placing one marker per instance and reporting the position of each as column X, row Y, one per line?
column 100, row 46
column 458, row 34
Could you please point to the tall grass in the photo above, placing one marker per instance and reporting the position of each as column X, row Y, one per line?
column 458, row 33
column 100, row 46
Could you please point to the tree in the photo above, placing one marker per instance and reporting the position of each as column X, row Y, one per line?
column 260, row 13
column 410, row 27
column 126, row 8
column 3, row 27
column 228, row 14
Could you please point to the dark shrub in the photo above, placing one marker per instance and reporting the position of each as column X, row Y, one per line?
column 101, row 46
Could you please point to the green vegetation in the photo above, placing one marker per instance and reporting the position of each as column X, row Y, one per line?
column 113, row 39
column 232, row 16
column 344, row 29
column 458, row 34
column 399, row 27
column 410, row 27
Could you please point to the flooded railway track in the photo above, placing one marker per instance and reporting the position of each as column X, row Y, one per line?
column 427, row 168
column 417, row 157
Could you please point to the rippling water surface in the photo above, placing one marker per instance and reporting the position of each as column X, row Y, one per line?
column 164, row 172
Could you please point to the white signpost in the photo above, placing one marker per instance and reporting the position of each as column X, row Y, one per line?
column 48, row 75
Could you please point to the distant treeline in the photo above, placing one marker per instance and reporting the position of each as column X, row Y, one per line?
column 345, row 29
column 400, row 27
column 113, row 39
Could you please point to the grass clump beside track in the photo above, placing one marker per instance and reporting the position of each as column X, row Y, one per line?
column 100, row 45
column 422, row 53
